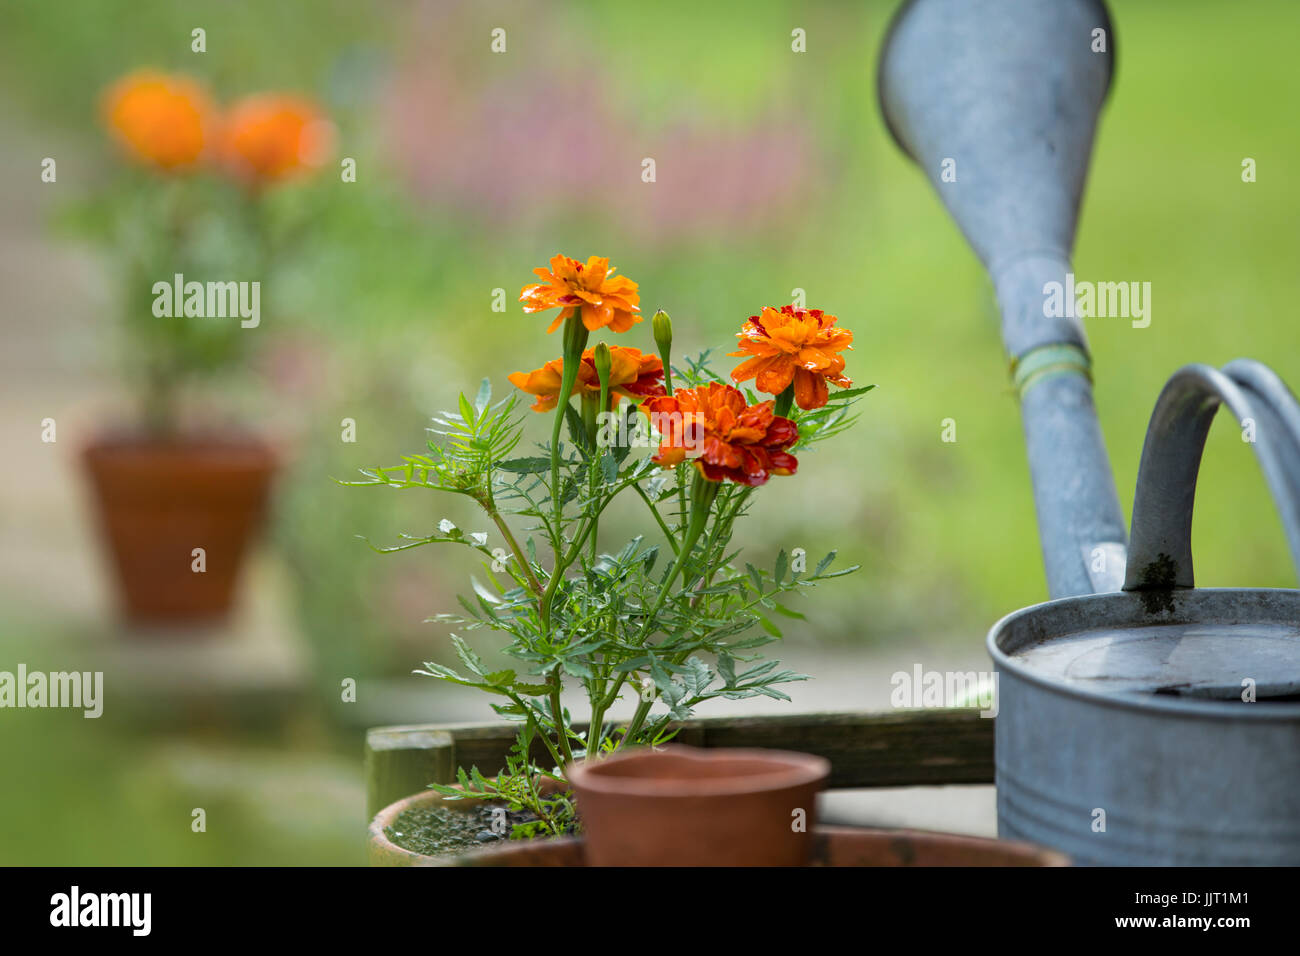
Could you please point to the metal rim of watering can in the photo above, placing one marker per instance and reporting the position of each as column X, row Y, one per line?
column 1123, row 609
column 897, row 19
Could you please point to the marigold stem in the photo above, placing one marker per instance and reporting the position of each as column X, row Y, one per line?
column 557, row 716
column 784, row 401
column 575, row 340
column 527, row 568
column 703, row 492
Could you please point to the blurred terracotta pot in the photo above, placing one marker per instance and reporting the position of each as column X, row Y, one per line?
column 684, row 806
column 831, row 846
column 160, row 500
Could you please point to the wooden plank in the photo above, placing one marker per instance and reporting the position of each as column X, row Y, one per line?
column 485, row 745
column 401, row 761
column 898, row 748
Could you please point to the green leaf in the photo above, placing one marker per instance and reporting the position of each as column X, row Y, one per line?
column 586, row 646
column 609, row 468
column 467, row 656
column 577, row 430
column 837, row 396
column 782, row 609
column 839, row 574
column 768, row 626
column 674, row 696
column 659, row 675
column 727, row 668
column 759, row 670
column 481, row 590
column 781, row 563
column 697, row 676
column 627, row 424
column 469, row 608
column 824, row 563
column 629, row 549
column 442, row 673
column 445, row 673
column 578, row 668
column 467, row 410
column 533, row 465
column 484, row 396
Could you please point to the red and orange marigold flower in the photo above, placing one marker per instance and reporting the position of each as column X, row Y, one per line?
column 793, row 345
column 632, row 373
column 161, row 119
column 727, row 438
column 273, row 136
column 592, row 291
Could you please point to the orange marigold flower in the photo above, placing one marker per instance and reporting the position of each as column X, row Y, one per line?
column 274, row 136
column 632, row 373
column 602, row 298
column 161, row 119
column 793, row 345
column 726, row 437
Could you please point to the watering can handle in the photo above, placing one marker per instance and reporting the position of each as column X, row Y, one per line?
column 1160, row 547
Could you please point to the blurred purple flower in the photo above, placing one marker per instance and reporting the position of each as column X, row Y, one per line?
column 538, row 140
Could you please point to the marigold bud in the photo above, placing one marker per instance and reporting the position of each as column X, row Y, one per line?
column 603, row 362
column 663, row 329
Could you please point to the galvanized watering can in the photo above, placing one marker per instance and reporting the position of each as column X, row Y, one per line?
column 1141, row 720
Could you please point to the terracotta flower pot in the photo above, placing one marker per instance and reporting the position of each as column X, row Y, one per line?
column 382, row 851
column 158, row 501
column 832, row 846
column 683, row 806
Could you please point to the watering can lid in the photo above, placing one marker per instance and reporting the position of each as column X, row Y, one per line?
column 1211, row 644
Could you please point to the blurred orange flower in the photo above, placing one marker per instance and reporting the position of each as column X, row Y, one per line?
column 602, row 298
column 273, row 136
column 632, row 373
column 793, row 345
column 726, row 437
column 161, row 119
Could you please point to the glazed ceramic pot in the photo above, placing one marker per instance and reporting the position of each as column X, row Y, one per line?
column 158, row 501
column 683, row 806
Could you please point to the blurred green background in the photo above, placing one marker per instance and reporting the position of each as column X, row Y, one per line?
column 774, row 172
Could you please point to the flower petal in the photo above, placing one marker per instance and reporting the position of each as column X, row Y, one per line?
column 776, row 377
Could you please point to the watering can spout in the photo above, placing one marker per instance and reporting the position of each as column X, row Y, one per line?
column 997, row 100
